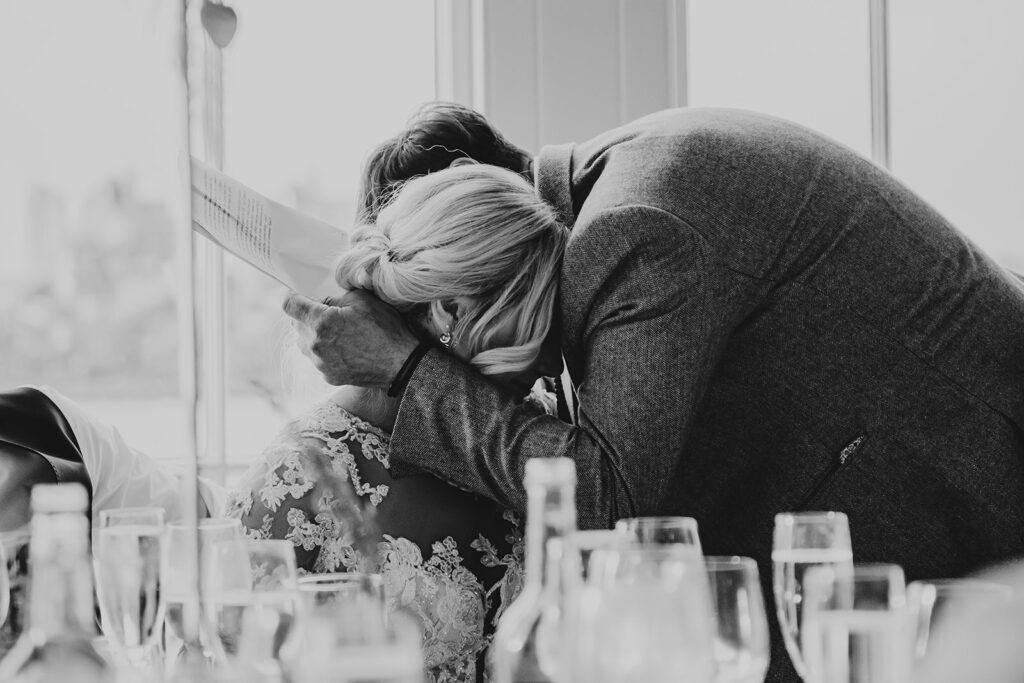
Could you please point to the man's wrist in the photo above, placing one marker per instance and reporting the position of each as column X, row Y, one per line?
column 404, row 374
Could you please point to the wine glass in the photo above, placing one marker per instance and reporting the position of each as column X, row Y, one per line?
column 128, row 558
column 803, row 540
column 660, row 530
column 741, row 640
column 253, row 602
column 211, row 531
column 645, row 615
column 857, row 627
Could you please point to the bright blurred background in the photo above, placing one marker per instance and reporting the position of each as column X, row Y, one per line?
column 91, row 151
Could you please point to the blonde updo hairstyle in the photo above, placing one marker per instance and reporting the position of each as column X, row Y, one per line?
column 476, row 233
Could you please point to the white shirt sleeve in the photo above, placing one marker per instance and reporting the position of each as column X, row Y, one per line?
column 123, row 476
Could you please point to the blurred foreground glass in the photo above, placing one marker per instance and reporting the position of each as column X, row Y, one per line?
column 660, row 530
column 5, row 587
column 741, row 640
column 128, row 557
column 253, row 603
column 344, row 594
column 211, row 531
column 644, row 615
column 58, row 642
column 803, row 540
column 13, row 584
column 857, row 627
column 935, row 603
column 347, row 637
column 528, row 643
column 580, row 545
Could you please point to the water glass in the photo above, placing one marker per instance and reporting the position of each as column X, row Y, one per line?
column 938, row 602
column 803, row 540
column 13, row 584
column 857, row 626
column 128, row 557
column 660, row 530
column 644, row 615
column 347, row 636
column 343, row 591
column 580, row 545
column 253, row 602
column 741, row 640
column 176, row 591
column 5, row 587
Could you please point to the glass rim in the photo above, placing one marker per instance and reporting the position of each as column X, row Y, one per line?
column 809, row 515
column 591, row 539
column 967, row 584
column 125, row 512
column 324, row 582
column 855, row 572
column 658, row 551
column 656, row 521
column 721, row 562
column 208, row 523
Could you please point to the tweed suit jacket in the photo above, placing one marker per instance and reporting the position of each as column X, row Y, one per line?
column 759, row 320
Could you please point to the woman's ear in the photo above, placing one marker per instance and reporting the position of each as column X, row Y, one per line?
column 457, row 308
column 462, row 161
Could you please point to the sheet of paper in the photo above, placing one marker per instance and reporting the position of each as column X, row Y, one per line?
column 295, row 249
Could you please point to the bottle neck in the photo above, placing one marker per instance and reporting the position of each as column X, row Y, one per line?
column 60, row 584
column 551, row 513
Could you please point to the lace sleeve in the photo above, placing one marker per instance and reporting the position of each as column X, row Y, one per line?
column 282, row 497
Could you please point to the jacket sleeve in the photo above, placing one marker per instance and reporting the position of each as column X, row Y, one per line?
column 647, row 310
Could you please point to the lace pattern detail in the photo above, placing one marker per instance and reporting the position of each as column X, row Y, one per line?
column 283, row 499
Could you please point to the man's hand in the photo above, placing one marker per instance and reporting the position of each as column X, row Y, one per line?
column 356, row 339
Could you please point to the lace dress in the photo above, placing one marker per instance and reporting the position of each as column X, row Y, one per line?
column 450, row 558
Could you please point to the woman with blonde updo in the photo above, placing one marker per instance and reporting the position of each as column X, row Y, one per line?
column 470, row 255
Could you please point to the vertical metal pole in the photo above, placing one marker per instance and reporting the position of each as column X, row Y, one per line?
column 189, row 324
column 212, row 359
column 878, row 32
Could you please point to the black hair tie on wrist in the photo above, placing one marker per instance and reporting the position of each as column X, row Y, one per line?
column 401, row 379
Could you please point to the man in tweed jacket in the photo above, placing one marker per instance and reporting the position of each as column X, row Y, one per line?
column 756, row 320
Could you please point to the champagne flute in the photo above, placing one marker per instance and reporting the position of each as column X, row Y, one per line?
column 741, row 640
column 128, row 558
column 803, row 540
column 253, row 602
column 857, row 627
column 660, row 530
column 645, row 615
column 211, row 530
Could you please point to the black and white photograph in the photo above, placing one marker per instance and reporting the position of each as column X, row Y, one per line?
column 511, row 341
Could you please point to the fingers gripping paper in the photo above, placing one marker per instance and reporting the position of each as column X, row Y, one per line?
column 297, row 250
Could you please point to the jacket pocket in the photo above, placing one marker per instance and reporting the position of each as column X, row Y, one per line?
column 829, row 474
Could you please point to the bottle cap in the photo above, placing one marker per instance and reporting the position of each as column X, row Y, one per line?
column 550, row 471
column 49, row 498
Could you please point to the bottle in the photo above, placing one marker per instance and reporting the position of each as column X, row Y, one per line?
column 526, row 646
column 56, row 645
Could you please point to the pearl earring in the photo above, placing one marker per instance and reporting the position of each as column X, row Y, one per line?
column 446, row 338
